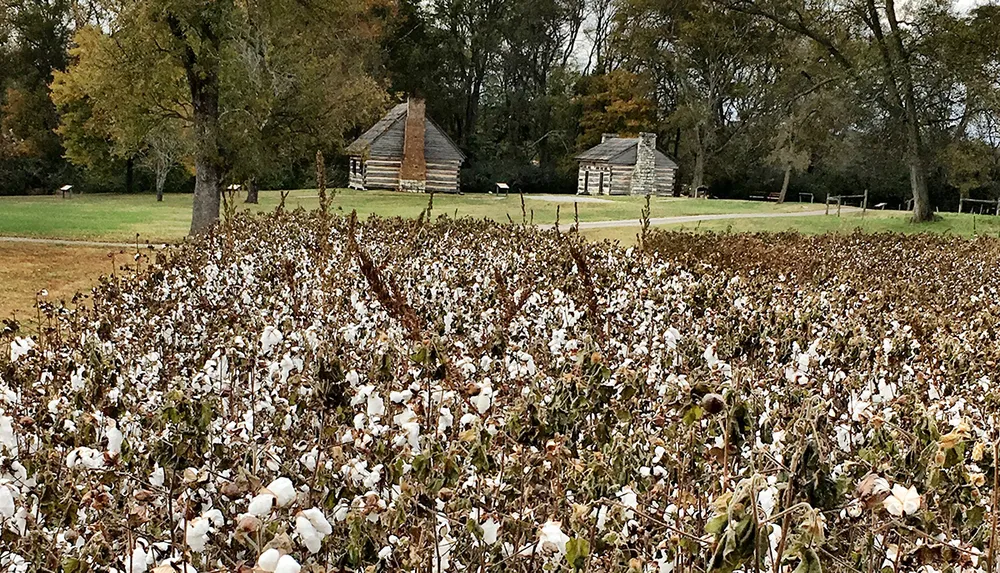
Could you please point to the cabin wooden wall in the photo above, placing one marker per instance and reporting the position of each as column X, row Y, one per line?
column 382, row 173
column 603, row 179
column 442, row 177
column 621, row 180
column 356, row 173
column 665, row 180
column 618, row 179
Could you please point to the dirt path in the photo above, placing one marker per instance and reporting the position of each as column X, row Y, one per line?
column 696, row 218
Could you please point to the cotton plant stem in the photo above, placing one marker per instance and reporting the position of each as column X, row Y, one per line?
column 993, row 508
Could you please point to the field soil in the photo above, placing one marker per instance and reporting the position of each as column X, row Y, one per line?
column 62, row 271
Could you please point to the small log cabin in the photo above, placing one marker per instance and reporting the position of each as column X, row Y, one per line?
column 405, row 151
column 625, row 166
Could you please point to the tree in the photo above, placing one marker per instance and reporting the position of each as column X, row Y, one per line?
column 114, row 109
column 33, row 39
column 616, row 102
column 253, row 85
column 164, row 149
column 888, row 63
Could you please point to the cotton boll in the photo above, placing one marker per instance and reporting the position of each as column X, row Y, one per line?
column 376, row 407
column 261, row 504
column 311, row 526
column 629, row 500
column 283, row 491
column 7, row 440
column 902, row 501
column 6, row 503
column 341, row 511
column 269, row 338
column 136, row 563
column 115, row 438
column 156, row 478
column 287, row 564
column 483, row 400
column 86, row 457
column 445, row 419
column 268, row 560
column 490, row 530
column 196, row 533
column 20, row 347
column 385, row 553
column 400, row 397
column 552, row 539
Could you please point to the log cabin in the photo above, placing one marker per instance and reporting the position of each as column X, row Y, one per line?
column 625, row 166
column 405, row 151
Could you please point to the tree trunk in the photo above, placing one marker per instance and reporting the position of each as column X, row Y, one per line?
column 784, row 184
column 922, row 210
column 253, row 191
column 202, row 73
column 698, row 176
column 129, row 176
column 161, row 180
column 205, row 211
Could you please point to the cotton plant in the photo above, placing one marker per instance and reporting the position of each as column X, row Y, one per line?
column 465, row 395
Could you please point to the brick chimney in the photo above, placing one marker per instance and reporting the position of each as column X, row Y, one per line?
column 413, row 171
column 644, row 173
column 607, row 136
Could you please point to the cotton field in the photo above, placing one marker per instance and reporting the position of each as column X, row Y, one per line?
column 297, row 394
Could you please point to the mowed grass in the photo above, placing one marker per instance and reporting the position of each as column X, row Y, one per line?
column 120, row 218
column 966, row 225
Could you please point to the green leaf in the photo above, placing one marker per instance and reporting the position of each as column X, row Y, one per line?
column 974, row 517
column 420, row 356
column 809, row 562
column 716, row 524
column 577, row 551
column 71, row 565
column 693, row 414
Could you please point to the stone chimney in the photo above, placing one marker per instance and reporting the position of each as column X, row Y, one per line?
column 607, row 136
column 644, row 173
column 413, row 171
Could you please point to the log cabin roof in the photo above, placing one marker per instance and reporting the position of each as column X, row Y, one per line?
column 362, row 143
column 622, row 151
column 385, row 138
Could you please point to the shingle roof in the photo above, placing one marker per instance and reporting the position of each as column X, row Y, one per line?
column 609, row 149
column 437, row 146
column 621, row 151
column 360, row 145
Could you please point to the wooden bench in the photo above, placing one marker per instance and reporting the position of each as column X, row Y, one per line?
column 772, row 196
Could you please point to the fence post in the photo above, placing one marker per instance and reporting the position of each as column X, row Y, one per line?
column 961, row 203
column 838, row 206
column 864, row 207
column 827, row 204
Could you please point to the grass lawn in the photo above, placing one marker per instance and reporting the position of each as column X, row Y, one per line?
column 119, row 218
column 966, row 225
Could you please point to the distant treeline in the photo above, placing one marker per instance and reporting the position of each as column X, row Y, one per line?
column 822, row 97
